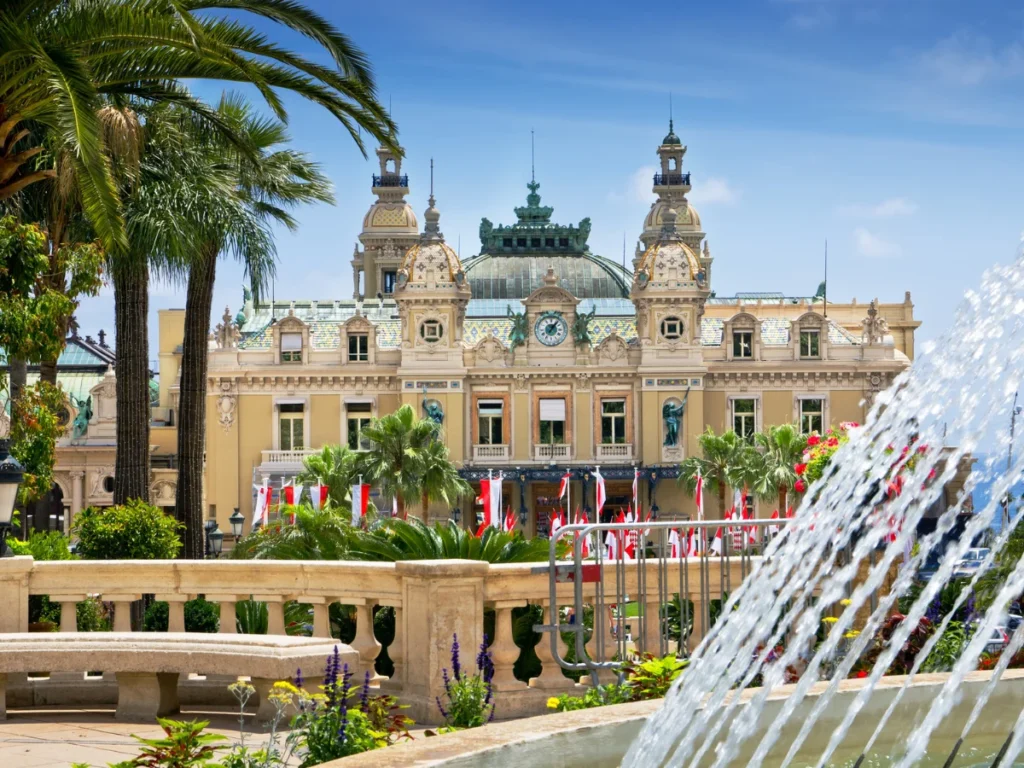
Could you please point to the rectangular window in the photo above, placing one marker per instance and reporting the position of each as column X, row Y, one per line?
column 552, row 421
column 613, row 422
column 506, row 242
column 535, row 242
column 744, row 421
column 549, row 242
column 812, row 415
column 490, row 414
column 809, row 344
column 290, row 426
column 742, row 344
column 520, row 242
column 358, row 416
column 291, row 347
column 358, row 348
column 389, row 282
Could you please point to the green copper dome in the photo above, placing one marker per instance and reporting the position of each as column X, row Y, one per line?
column 514, row 259
column 671, row 138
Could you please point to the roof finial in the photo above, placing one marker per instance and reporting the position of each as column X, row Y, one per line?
column 670, row 128
column 431, row 182
column 533, row 175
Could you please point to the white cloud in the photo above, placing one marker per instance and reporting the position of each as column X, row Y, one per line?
column 874, row 247
column 894, row 206
column 714, row 190
column 967, row 59
column 640, row 184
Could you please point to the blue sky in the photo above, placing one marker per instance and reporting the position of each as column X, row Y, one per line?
column 891, row 128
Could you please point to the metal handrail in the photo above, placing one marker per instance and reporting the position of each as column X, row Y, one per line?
column 573, row 570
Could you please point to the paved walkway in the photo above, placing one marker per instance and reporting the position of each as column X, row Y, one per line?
column 60, row 736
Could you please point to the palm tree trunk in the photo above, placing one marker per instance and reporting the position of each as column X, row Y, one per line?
column 426, row 505
column 131, row 315
column 782, row 501
column 192, row 400
column 721, row 501
column 19, row 378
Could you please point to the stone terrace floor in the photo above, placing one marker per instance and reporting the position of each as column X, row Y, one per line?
column 60, row 736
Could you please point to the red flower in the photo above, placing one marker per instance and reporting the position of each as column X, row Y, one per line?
column 813, row 440
column 800, row 468
column 832, row 442
column 800, row 486
column 861, row 674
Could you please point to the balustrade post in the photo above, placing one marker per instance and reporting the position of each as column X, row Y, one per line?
column 504, row 651
column 227, row 613
column 122, row 610
column 396, row 651
column 439, row 598
column 175, row 610
column 14, row 575
column 551, row 677
column 364, row 642
column 321, row 614
column 275, row 613
column 68, row 611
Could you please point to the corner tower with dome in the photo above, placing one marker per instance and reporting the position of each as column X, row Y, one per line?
column 537, row 356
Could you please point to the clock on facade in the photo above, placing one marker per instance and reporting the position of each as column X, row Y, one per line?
column 551, row 329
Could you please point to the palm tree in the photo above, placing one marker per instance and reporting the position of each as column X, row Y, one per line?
column 393, row 540
column 323, row 534
column 781, row 449
column 721, row 465
column 263, row 182
column 61, row 62
column 439, row 479
column 394, row 461
column 336, row 466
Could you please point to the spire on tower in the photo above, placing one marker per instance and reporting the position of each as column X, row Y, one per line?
column 533, row 176
column 431, row 217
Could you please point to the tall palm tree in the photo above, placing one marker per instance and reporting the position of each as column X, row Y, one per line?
column 721, row 464
column 336, row 466
column 781, row 448
column 394, row 460
column 264, row 181
column 439, row 479
column 60, row 62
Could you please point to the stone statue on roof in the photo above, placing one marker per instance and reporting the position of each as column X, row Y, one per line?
column 433, row 409
column 584, row 232
column 81, row 423
column 520, row 328
column 581, row 327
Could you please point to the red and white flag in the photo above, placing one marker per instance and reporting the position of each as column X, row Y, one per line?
column 636, row 489
column 394, row 505
column 318, row 495
column 261, row 509
column 631, row 536
column 716, row 543
column 510, row 521
column 675, row 544
column 555, row 523
column 563, row 488
column 611, row 543
column 695, row 542
column 774, row 528
column 600, row 493
column 699, row 496
column 360, row 499
column 587, row 547
column 290, row 495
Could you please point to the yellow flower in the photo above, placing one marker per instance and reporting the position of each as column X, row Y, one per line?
column 553, row 703
column 852, row 634
column 283, row 686
column 845, row 603
column 830, row 619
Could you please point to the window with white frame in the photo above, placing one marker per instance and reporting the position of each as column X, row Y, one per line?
column 744, row 417
column 672, row 328
column 291, row 426
column 358, row 417
column 613, row 421
column 810, row 343
column 291, row 347
column 742, row 344
column 490, row 415
column 552, row 421
column 431, row 331
column 812, row 415
column 358, row 347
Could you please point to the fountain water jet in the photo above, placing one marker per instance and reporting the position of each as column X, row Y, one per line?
column 983, row 356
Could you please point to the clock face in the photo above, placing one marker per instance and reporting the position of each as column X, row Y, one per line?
column 551, row 329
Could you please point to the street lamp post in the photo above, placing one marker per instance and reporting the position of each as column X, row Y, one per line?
column 11, row 474
column 209, row 527
column 1014, row 413
column 237, row 521
column 216, row 540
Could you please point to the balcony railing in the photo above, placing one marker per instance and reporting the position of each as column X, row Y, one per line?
column 274, row 459
column 491, row 453
column 391, row 180
column 672, row 179
column 615, row 452
column 556, row 452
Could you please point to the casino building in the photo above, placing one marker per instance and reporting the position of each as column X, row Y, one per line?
column 537, row 354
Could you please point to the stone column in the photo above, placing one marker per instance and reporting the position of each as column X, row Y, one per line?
column 77, row 494
column 439, row 598
column 504, row 651
column 175, row 610
column 68, row 611
column 122, row 610
column 551, row 676
column 396, row 651
column 321, row 613
column 365, row 642
column 227, row 612
column 275, row 613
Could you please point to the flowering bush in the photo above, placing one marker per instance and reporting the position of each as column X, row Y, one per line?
column 647, row 677
column 820, row 449
column 470, row 698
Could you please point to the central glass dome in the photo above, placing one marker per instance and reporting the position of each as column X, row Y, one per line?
column 514, row 259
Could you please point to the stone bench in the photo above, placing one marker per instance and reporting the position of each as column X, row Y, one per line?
column 147, row 665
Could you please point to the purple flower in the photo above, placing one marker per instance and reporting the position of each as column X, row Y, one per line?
column 440, row 708
column 490, row 691
column 484, row 662
column 298, row 678
column 456, row 666
column 344, row 724
column 364, row 695
column 447, row 681
column 491, row 716
column 346, row 680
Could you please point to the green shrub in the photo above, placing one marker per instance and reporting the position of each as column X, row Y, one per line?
column 134, row 531
column 200, row 616
column 251, row 617
column 595, row 697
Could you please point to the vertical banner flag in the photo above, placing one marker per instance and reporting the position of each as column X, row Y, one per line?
column 360, row 499
column 290, row 495
column 699, row 497
column 600, row 493
column 510, row 521
column 495, row 490
column 262, row 505
column 555, row 523
column 675, row 544
column 636, row 490
column 563, row 489
column 318, row 494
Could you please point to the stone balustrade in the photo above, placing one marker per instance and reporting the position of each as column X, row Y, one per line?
column 433, row 600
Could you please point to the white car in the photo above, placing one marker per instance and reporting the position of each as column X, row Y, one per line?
column 1000, row 638
column 969, row 563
